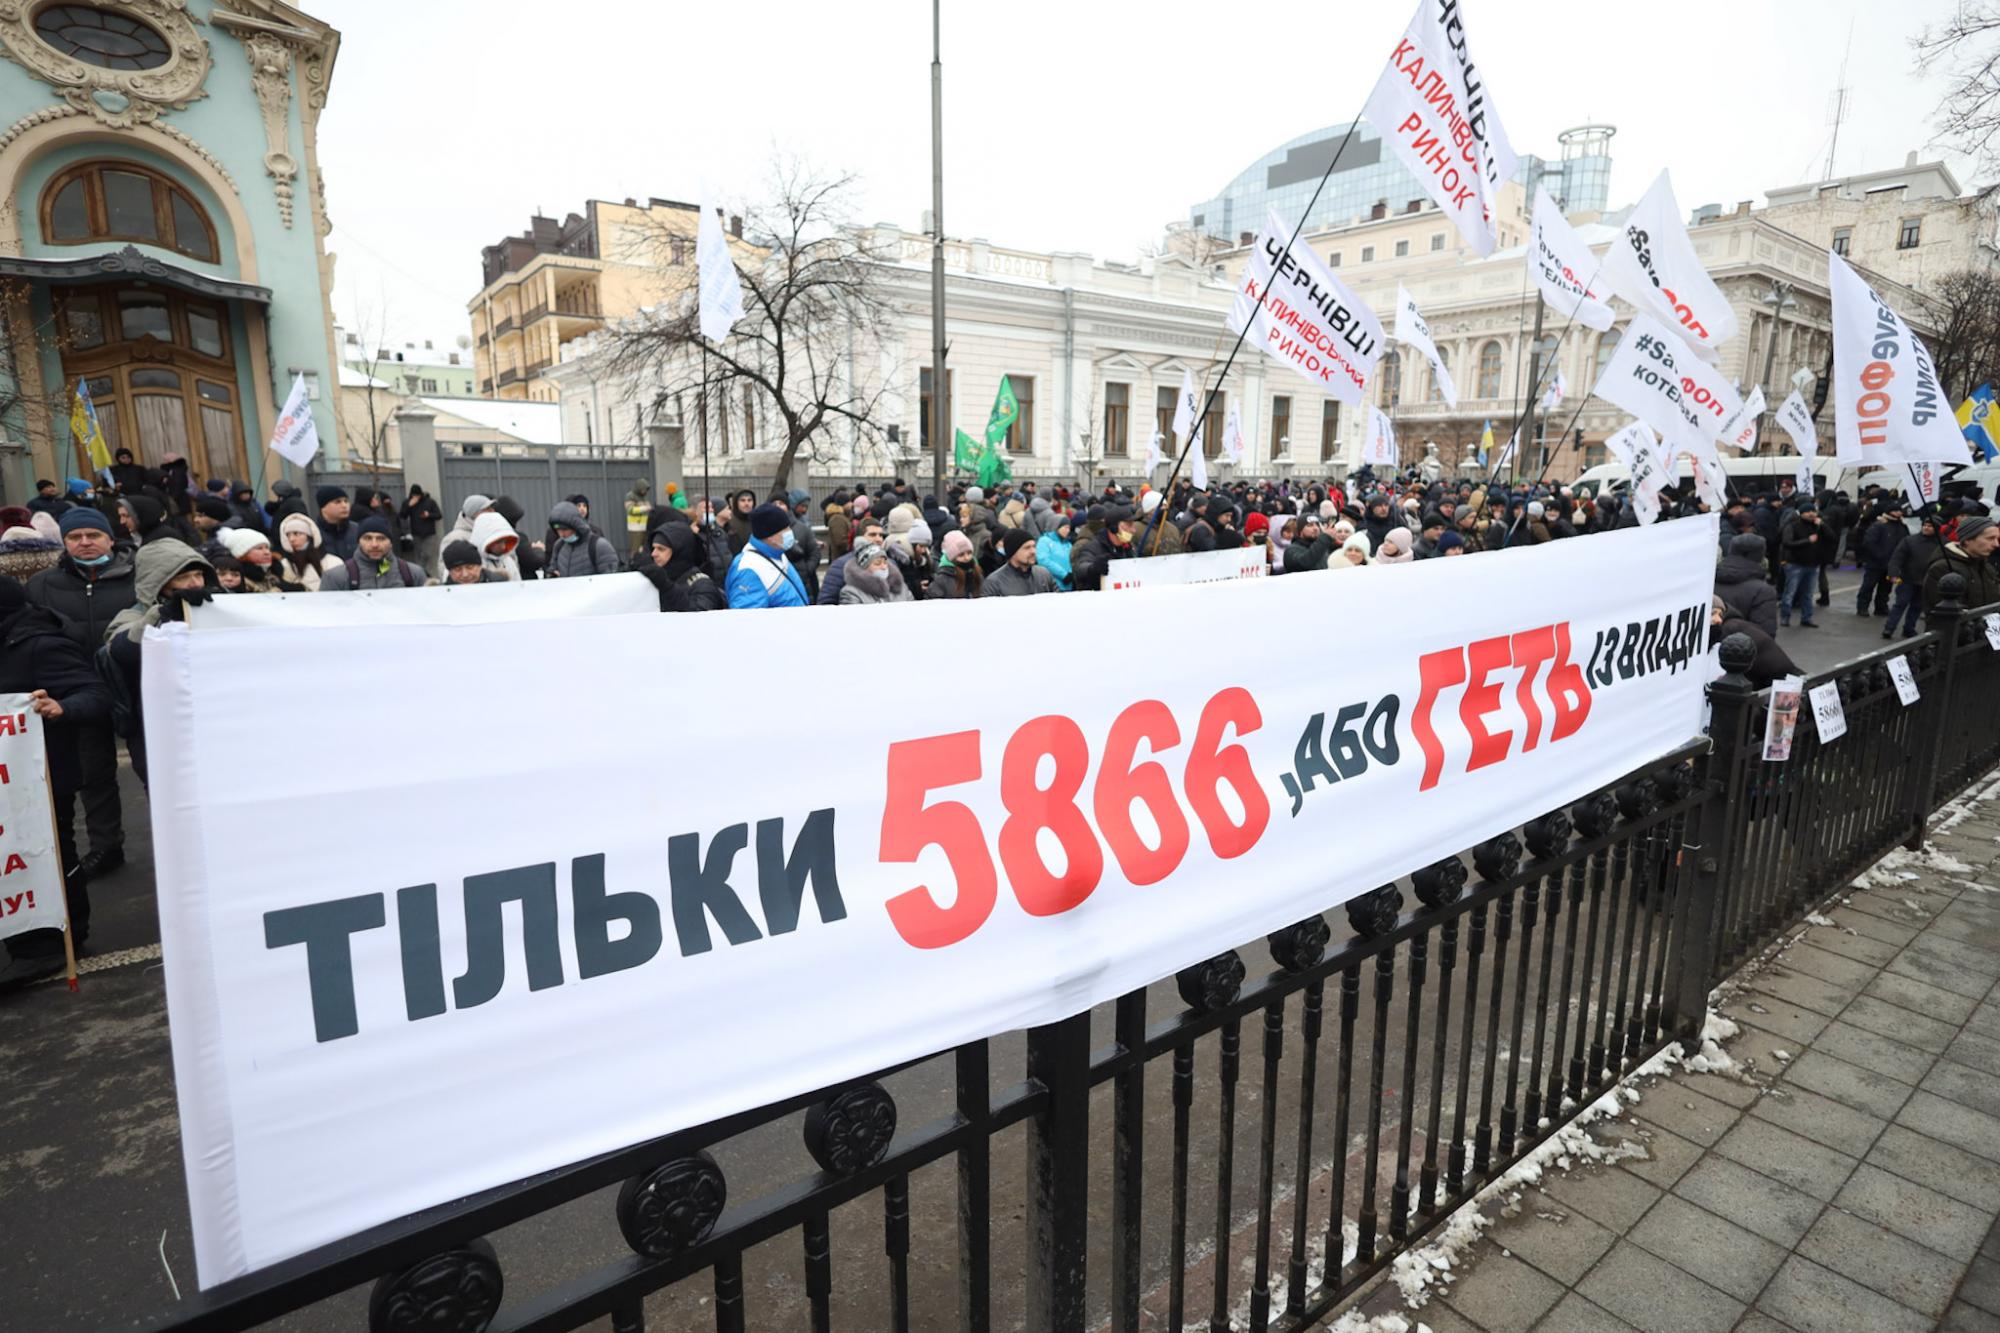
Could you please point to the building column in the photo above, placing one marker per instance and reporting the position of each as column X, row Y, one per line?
column 669, row 457
column 416, row 438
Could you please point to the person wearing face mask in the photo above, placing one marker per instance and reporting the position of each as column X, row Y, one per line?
column 673, row 565
column 760, row 575
column 959, row 576
column 578, row 550
column 89, row 584
column 171, row 576
column 1090, row 561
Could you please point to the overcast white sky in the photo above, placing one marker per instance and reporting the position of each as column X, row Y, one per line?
column 1070, row 124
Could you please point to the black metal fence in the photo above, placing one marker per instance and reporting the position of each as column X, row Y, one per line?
column 1137, row 1164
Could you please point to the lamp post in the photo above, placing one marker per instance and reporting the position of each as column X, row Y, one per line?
column 1780, row 299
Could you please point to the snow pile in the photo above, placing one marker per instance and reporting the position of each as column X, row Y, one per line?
column 1356, row 1322
column 1815, row 919
column 1713, row 1059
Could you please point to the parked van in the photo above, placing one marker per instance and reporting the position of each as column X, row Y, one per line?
column 1761, row 472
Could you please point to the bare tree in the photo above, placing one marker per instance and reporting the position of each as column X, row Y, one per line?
column 1964, row 309
column 379, row 399
column 1965, row 50
column 21, row 370
column 815, row 314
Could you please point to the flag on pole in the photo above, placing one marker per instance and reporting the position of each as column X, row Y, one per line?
column 721, row 293
column 993, row 466
column 1975, row 421
column 1506, row 458
column 1739, row 431
column 296, row 437
column 966, row 453
column 1198, row 464
column 1412, row 328
column 83, row 426
column 1186, row 408
column 1558, row 387
column 1888, row 404
column 1380, row 450
column 1796, row 418
column 1653, row 265
column 1485, row 442
column 1234, row 447
column 1565, row 269
column 1153, row 455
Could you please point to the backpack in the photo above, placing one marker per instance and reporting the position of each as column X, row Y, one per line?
column 354, row 573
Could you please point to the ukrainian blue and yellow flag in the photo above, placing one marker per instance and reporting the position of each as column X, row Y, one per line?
column 83, row 425
column 1975, row 421
column 1485, row 442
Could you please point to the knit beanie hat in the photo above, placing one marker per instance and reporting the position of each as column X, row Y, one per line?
column 326, row 495
column 209, row 506
column 956, row 544
column 1449, row 541
column 372, row 525
column 918, row 534
column 974, row 495
column 83, row 518
column 1013, row 539
column 768, row 520
column 461, row 553
column 241, row 541
column 1971, row 526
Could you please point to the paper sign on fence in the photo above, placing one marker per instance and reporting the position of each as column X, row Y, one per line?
column 1782, row 718
column 31, row 875
column 1828, row 717
column 1992, row 623
column 1906, row 680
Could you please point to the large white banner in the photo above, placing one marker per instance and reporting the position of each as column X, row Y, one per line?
column 1887, row 405
column 1564, row 268
column 1412, row 328
column 31, row 877
column 1653, row 265
column 1305, row 317
column 1658, row 379
column 439, row 604
column 1166, row 571
column 556, row 945
column 1431, row 105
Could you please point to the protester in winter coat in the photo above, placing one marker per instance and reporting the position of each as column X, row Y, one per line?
column 1052, row 548
column 304, row 560
column 805, row 551
column 839, row 528
column 338, row 530
column 872, row 578
column 1018, row 575
column 1353, row 553
column 1378, row 521
column 1427, row 538
column 422, row 518
column 577, row 551
column 1311, row 549
column 1878, row 542
column 252, row 552
column 912, row 556
column 1449, row 544
column 979, row 524
column 1771, row 663
column 468, row 514
column 1803, row 540
column 867, row 532
column 462, row 564
column 25, row 553
column 285, row 499
column 959, row 576
column 1090, row 561
column 374, row 566
column 736, row 521
column 40, row 658
column 674, row 566
column 126, row 474
column 1913, row 556
column 1741, row 583
column 498, row 545
column 48, row 499
column 244, row 510
column 1157, row 535
column 1395, row 548
column 1042, row 516
column 760, row 576
column 1970, row 558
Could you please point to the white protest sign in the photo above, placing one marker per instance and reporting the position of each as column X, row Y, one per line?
column 721, row 293
column 31, row 874
column 1412, row 329
column 1992, row 623
column 1302, row 315
column 1781, row 719
column 1646, row 506
column 1638, row 448
column 567, row 947
column 1380, row 448
column 1888, row 407
column 1164, row 571
column 296, row 436
column 1796, row 418
column 1739, row 429
column 1652, row 375
column 1653, row 265
column 1828, row 718
column 1906, row 680
column 1431, row 106
column 1564, row 269
column 439, row 604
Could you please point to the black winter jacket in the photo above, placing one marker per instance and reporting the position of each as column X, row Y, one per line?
column 37, row 652
column 1879, row 541
column 85, row 604
column 1742, row 585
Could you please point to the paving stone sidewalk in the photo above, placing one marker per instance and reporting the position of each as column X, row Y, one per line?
column 1845, row 1178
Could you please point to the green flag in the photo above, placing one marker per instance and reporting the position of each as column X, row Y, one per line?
column 1006, row 407
column 993, row 468
column 967, row 453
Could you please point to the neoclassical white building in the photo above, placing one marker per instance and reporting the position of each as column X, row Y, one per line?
column 1096, row 350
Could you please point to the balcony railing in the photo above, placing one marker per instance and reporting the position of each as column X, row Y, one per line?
column 509, row 376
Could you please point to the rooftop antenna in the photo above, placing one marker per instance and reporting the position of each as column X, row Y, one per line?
column 1837, row 113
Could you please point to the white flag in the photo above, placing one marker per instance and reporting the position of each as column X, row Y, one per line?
column 1646, row 506
column 1658, row 379
column 1411, row 329
column 1796, row 418
column 721, row 293
column 296, row 437
column 1805, row 475
column 1187, row 408
column 1432, row 106
column 1380, row 450
column 1558, row 388
column 1304, row 316
column 1198, row 465
column 1739, row 431
column 1924, row 482
column 1708, row 479
column 1234, row 447
column 1887, row 405
column 1653, row 265
column 1565, row 269
column 1153, row 455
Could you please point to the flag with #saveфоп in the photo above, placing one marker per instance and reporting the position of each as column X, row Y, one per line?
column 296, row 437
column 1432, row 106
column 1653, row 265
column 1304, row 316
column 721, row 293
column 1411, row 328
column 1657, row 378
column 1888, row 406
column 1564, row 269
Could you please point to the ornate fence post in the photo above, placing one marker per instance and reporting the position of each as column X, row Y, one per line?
column 1944, row 620
column 1717, row 825
column 1058, row 1176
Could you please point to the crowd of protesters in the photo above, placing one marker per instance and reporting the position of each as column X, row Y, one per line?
column 86, row 567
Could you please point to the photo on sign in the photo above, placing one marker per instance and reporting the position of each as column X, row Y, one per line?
column 1782, row 719
column 1992, row 623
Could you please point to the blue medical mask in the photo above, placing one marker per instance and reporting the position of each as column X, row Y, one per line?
column 788, row 540
column 94, row 561
column 571, row 538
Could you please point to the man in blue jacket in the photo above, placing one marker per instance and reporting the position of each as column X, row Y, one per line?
column 760, row 575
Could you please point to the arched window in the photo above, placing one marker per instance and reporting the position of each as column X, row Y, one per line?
column 1489, row 370
column 1389, row 380
column 1444, row 359
column 1607, row 343
column 123, row 201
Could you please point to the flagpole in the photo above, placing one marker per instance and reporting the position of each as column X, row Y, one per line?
column 940, row 376
column 707, row 493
